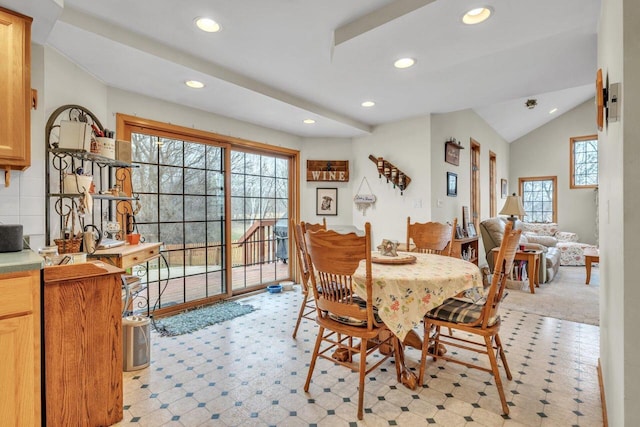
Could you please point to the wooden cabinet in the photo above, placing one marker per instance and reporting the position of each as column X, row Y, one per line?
column 15, row 90
column 83, row 345
column 20, row 349
column 466, row 248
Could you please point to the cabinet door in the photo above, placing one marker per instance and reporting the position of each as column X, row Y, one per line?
column 15, row 90
column 17, row 374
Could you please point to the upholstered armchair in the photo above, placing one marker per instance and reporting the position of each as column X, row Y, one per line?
column 492, row 231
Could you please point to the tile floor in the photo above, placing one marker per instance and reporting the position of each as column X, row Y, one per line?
column 250, row 372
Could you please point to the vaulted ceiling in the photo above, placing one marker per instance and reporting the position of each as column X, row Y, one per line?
column 276, row 63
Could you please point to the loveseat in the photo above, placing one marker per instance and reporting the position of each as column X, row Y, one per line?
column 492, row 231
column 571, row 251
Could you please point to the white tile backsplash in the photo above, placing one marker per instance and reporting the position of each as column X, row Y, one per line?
column 10, row 205
column 30, row 206
column 33, row 224
column 14, row 185
column 32, row 187
column 9, row 219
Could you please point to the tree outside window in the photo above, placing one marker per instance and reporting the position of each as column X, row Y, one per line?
column 584, row 161
column 539, row 198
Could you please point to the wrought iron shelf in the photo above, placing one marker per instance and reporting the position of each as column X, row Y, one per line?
column 91, row 157
column 95, row 196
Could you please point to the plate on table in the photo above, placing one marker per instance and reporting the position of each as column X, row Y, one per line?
column 400, row 259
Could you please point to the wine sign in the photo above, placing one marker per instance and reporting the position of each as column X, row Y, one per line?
column 328, row 170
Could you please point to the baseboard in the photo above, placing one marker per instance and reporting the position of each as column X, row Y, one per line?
column 603, row 401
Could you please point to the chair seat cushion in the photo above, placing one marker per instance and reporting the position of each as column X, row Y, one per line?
column 458, row 311
column 352, row 321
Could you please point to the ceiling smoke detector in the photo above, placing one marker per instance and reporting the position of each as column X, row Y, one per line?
column 531, row 103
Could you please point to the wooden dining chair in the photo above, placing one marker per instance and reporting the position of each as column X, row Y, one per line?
column 308, row 306
column 431, row 237
column 344, row 312
column 479, row 318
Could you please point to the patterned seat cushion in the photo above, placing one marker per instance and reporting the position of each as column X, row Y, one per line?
column 351, row 321
column 459, row 311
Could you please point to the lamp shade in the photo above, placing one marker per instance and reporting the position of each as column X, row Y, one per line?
column 513, row 206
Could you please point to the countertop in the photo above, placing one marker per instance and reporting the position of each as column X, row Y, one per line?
column 25, row 260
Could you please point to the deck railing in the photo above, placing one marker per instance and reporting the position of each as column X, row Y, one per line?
column 258, row 245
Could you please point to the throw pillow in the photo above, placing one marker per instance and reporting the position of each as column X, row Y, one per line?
column 542, row 240
column 566, row 236
column 542, row 229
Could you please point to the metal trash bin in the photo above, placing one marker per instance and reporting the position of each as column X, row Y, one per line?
column 136, row 343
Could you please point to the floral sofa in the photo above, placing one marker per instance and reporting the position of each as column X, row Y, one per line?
column 571, row 251
column 492, row 231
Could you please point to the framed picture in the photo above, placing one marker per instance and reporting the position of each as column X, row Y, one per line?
column 452, row 152
column 452, row 184
column 471, row 230
column 326, row 201
column 465, row 217
column 459, row 232
column 503, row 188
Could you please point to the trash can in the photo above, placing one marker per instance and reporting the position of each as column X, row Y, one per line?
column 136, row 343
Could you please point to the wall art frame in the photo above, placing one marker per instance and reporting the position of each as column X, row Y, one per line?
column 327, row 201
column 452, row 184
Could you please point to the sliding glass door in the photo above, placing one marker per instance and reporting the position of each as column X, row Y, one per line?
column 259, row 219
column 180, row 185
column 220, row 205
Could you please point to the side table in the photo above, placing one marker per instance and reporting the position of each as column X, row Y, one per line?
column 532, row 257
column 590, row 255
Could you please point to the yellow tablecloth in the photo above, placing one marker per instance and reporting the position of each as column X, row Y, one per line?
column 404, row 293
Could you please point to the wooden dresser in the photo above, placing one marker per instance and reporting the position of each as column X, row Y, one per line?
column 83, row 345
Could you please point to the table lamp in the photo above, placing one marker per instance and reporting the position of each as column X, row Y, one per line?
column 513, row 207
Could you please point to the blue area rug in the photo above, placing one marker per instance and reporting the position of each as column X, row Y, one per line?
column 193, row 320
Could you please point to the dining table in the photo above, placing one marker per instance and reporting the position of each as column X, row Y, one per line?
column 409, row 285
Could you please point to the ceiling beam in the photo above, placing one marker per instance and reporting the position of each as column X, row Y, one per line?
column 376, row 19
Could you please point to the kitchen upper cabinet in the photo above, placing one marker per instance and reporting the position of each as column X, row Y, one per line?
column 15, row 91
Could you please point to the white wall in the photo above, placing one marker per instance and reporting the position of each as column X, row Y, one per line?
column 464, row 125
column 618, row 41
column 407, row 145
column 119, row 101
column 545, row 152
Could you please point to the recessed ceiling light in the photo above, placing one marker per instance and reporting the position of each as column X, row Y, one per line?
column 208, row 25
column 368, row 104
column 476, row 16
column 308, row 121
column 194, row 84
column 553, row 111
column 404, row 63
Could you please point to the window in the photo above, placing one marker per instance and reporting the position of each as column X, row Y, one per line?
column 584, row 161
column 539, row 198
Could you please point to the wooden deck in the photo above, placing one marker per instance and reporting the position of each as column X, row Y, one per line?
column 180, row 293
